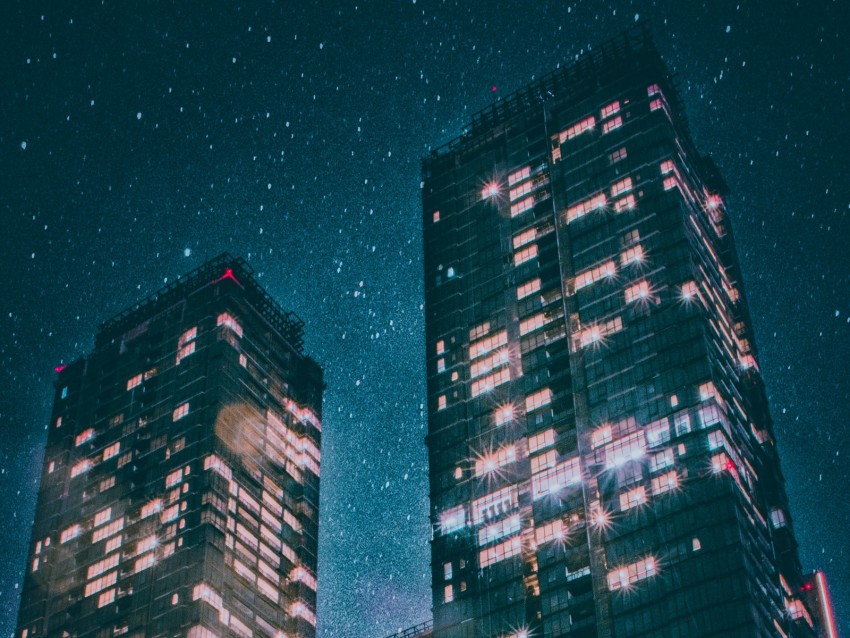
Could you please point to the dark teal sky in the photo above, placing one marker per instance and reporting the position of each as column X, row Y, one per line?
column 136, row 140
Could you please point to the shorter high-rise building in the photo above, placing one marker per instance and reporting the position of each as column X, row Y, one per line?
column 180, row 489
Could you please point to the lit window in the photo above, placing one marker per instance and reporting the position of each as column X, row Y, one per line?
column 101, row 583
column 658, row 432
column 169, row 514
column 682, row 423
column 525, row 237
column 661, row 460
column 146, row 544
column 777, row 518
column 526, row 254
column 538, row 400
column 618, row 155
column 577, row 129
column 653, row 89
column 527, row 289
column 665, row 482
column 134, row 381
column 521, row 206
column 436, row 216
column 633, row 255
column 632, row 498
column 504, row 414
column 59, row 422
column 541, row 440
column 106, row 483
column 483, row 346
column 596, row 202
column 626, row 203
column 707, row 391
column 533, row 323
column 609, row 109
column 174, row 478
column 495, row 504
column 491, row 555
column 484, row 365
column 180, row 411
column 70, row 533
column 441, row 402
column 441, row 346
column 84, row 436
column 106, row 598
column 102, row 517
column 612, row 124
column 621, row 187
column 227, row 320
column 696, row 545
column 188, row 336
column 499, row 529
column 81, row 467
column 667, row 166
column 591, row 275
column 144, row 563
column 479, row 331
column 601, row 436
column 453, row 519
column 549, row 532
column 626, row 449
column 518, row 176
column 670, row 183
column 107, row 530
column 111, row 450
column 185, row 351
column 491, row 381
column 448, row 593
column 689, row 290
column 154, row 507
column 624, row 577
column 543, row 462
column 553, row 480
column 102, row 566
column 656, row 104
column 637, row 292
column 243, row 360
column 490, row 189
column 597, row 333
column 492, row 462
column 523, row 189
column 441, row 365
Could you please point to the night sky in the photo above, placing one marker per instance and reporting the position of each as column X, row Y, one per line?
column 139, row 139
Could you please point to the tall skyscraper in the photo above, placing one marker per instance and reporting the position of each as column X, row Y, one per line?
column 180, row 489
column 601, row 452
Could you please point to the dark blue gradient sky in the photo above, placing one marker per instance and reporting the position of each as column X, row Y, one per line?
column 136, row 140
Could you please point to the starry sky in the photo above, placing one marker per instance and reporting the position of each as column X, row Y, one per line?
column 139, row 139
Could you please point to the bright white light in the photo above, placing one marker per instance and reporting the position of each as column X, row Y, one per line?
column 491, row 189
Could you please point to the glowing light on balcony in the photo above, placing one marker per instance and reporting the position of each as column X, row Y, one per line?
column 491, row 189
column 713, row 202
column 504, row 414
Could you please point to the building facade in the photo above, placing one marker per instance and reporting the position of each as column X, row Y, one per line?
column 180, row 489
column 601, row 453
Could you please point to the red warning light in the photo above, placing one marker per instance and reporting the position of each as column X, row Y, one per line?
column 228, row 274
column 59, row 368
column 494, row 88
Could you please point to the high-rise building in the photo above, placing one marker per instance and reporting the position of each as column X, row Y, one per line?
column 180, row 489
column 602, row 460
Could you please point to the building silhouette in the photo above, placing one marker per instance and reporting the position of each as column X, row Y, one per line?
column 602, row 459
column 180, row 489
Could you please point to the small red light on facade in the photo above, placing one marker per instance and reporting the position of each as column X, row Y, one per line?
column 228, row 274
column 730, row 465
column 494, row 88
column 59, row 368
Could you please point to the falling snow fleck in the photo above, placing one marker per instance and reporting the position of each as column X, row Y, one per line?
column 139, row 115
column 24, row 145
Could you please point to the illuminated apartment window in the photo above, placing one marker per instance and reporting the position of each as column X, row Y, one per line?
column 518, row 176
column 523, row 189
column 777, row 518
column 134, row 381
column 453, row 519
column 84, row 436
column 525, row 237
column 102, row 517
column 549, row 532
column 601, row 436
column 665, row 482
column 526, row 254
column 486, row 364
column 500, row 552
column 81, row 467
column 632, row 498
column 69, row 533
column 441, row 346
column 495, row 460
column 667, row 166
column 436, row 216
column 185, row 351
column 656, row 104
column 637, row 292
column 485, row 345
column 541, row 440
column 553, row 480
column 151, row 508
column 111, row 450
column 653, row 89
column 504, row 414
column 577, row 129
column 625, row 449
column 633, row 255
column 657, row 432
column 441, row 402
column 597, row 202
column 499, row 529
column 595, row 334
column 592, row 275
column 521, row 206
column 187, row 336
column 612, row 124
column 670, row 183
column 59, row 422
column 618, row 155
column 448, row 593
column 538, row 400
column 227, row 320
column 609, row 109
column 626, row 203
column 100, row 584
column 707, row 391
column 535, row 322
column 621, row 187
column 495, row 504
column 180, row 411
column 624, row 577
column 441, row 365
column 527, row 289
column 491, row 381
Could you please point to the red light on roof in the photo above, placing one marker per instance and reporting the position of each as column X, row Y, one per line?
column 228, row 274
column 60, row 367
